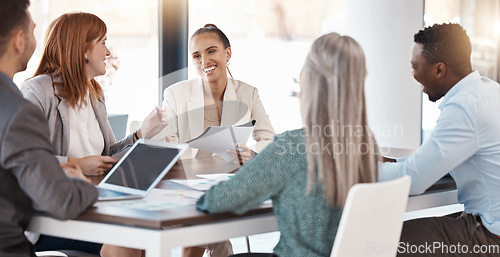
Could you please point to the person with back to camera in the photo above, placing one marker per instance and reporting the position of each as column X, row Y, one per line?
column 302, row 171
column 213, row 99
column 30, row 176
column 65, row 90
column 464, row 143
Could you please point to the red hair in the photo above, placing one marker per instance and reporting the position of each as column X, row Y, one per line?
column 67, row 39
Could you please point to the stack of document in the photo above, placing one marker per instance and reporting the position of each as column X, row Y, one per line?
column 159, row 199
column 205, row 182
column 218, row 139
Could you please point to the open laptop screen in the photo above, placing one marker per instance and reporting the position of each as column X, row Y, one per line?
column 142, row 166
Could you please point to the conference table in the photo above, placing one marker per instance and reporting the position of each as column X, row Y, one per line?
column 159, row 231
column 442, row 193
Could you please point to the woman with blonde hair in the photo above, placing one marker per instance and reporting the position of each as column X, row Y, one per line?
column 308, row 172
column 65, row 90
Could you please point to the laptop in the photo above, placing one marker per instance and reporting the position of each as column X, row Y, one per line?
column 139, row 170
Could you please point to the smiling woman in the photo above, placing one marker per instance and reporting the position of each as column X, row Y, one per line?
column 72, row 101
column 65, row 89
column 95, row 57
column 217, row 48
column 214, row 94
column 209, row 100
column 212, row 99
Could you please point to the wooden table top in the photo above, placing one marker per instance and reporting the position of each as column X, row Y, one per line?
column 180, row 216
column 188, row 215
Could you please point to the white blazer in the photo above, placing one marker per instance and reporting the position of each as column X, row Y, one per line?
column 184, row 103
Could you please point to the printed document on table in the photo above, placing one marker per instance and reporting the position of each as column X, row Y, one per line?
column 206, row 182
column 218, row 139
column 157, row 200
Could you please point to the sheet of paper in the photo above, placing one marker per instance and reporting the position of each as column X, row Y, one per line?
column 216, row 177
column 196, row 184
column 218, row 139
column 205, row 183
column 159, row 199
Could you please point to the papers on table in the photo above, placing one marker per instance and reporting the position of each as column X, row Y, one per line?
column 205, row 182
column 185, row 193
column 218, row 139
column 216, row 177
column 159, row 199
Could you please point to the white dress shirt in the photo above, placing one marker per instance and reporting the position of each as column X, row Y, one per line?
column 85, row 138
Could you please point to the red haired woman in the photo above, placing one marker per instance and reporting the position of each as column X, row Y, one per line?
column 64, row 88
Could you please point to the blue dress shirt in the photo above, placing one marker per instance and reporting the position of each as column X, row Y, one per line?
column 466, row 143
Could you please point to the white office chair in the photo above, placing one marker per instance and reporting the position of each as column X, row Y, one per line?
column 50, row 254
column 372, row 219
column 64, row 253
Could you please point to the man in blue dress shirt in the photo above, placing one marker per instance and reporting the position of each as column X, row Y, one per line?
column 465, row 142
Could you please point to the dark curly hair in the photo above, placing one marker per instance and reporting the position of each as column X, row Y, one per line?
column 13, row 15
column 447, row 43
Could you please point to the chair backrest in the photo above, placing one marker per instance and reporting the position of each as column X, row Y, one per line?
column 64, row 253
column 372, row 219
column 118, row 124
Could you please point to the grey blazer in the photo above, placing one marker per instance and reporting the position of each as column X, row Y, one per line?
column 41, row 91
column 30, row 176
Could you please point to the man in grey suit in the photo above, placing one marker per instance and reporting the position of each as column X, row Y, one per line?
column 30, row 175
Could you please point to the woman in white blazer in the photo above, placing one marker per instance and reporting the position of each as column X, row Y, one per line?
column 213, row 99
column 185, row 106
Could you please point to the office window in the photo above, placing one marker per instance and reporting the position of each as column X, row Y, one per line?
column 131, row 82
column 269, row 40
column 481, row 20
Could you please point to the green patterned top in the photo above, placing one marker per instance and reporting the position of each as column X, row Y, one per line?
column 308, row 225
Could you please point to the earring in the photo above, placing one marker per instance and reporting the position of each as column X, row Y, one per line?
column 228, row 62
column 86, row 60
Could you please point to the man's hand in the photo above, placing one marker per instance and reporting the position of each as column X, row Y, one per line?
column 94, row 165
column 73, row 170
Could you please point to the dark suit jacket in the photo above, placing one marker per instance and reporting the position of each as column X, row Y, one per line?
column 30, row 176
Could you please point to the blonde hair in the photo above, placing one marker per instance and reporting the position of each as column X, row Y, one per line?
column 67, row 39
column 341, row 148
